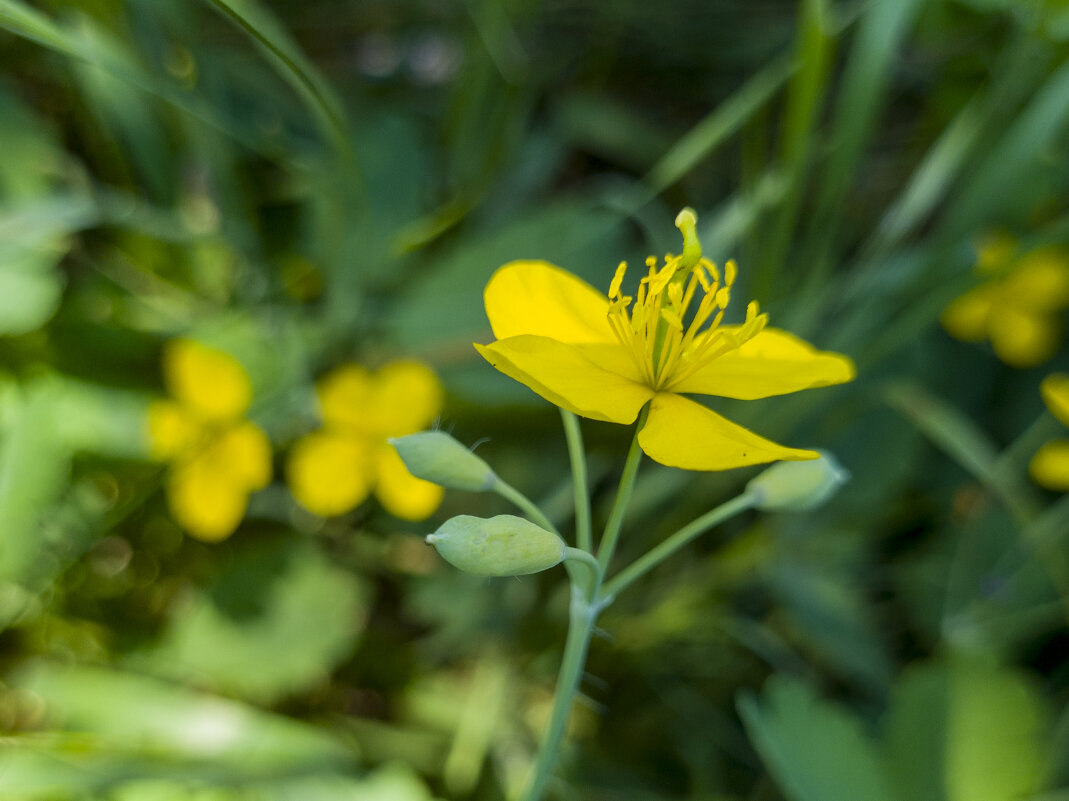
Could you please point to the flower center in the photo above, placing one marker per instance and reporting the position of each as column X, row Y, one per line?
column 667, row 341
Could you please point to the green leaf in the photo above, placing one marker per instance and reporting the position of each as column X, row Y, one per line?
column 28, row 298
column 916, row 730
column 251, row 637
column 832, row 616
column 1018, row 158
column 444, row 304
column 814, row 750
column 718, row 126
column 965, row 729
column 138, row 715
column 33, row 472
column 995, row 748
column 962, row 440
column 290, row 63
column 91, row 43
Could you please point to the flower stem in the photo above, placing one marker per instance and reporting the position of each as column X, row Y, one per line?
column 655, row 556
column 623, row 495
column 581, row 617
column 576, row 454
column 588, row 577
column 506, row 490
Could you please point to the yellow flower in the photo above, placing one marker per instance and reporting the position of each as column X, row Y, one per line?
column 332, row 470
column 1050, row 465
column 606, row 358
column 1019, row 308
column 217, row 457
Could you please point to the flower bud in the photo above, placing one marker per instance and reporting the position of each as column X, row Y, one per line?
column 795, row 486
column 505, row 545
column 436, row 457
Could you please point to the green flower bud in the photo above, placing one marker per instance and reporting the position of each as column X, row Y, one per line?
column 436, row 457
column 505, row 545
column 796, row 486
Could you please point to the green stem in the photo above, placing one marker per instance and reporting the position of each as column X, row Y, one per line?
column 506, row 490
column 580, row 627
column 590, row 580
column 623, row 495
column 654, row 557
column 583, row 535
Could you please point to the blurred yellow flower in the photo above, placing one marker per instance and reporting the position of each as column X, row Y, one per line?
column 1050, row 465
column 217, row 457
column 1019, row 306
column 332, row 470
column 595, row 357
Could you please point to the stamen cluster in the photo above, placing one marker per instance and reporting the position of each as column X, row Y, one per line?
column 666, row 348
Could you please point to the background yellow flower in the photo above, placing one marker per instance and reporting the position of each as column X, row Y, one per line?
column 1050, row 465
column 1019, row 309
column 333, row 470
column 217, row 457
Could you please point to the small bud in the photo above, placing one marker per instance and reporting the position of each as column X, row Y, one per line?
column 436, row 457
column 796, row 486
column 505, row 545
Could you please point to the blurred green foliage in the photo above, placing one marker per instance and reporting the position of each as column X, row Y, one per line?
column 307, row 184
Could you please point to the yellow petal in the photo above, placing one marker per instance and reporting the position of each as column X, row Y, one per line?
column 245, row 453
column 966, row 317
column 1050, row 465
column 401, row 398
column 682, row 433
column 329, row 475
column 171, row 429
column 402, row 494
column 205, row 501
column 209, row 381
column 535, row 297
column 407, row 397
column 595, row 381
column 1022, row 339
column 1040, row 280
column 344, row 394
column 1055, row 391
column 772, row 363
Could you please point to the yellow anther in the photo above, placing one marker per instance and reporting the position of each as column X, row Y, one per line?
column 675, row 295
column 617, row 280
column 723, row 297
column 731, row 270
column 659, row 280
column 672, row 319
column 703, row 277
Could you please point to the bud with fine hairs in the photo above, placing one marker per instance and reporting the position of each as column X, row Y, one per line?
column 436, row 457
column 505, row 545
